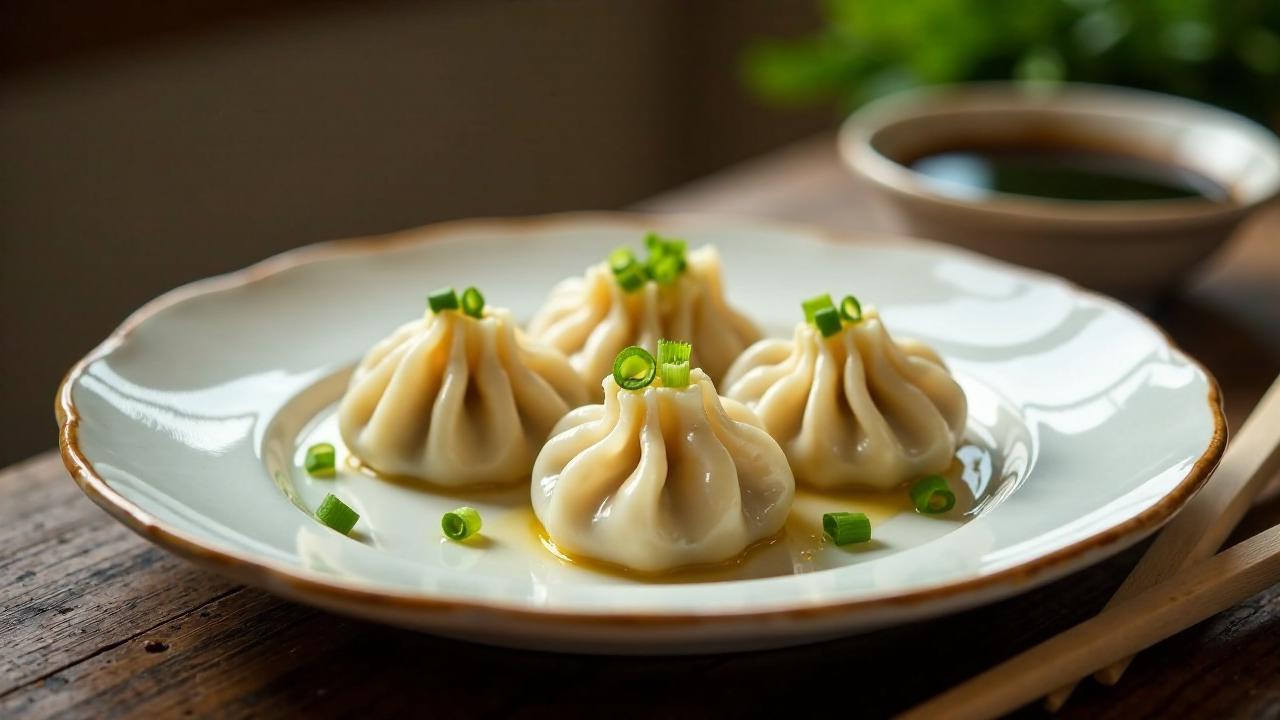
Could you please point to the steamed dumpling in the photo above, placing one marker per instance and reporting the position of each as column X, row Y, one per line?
column 660, row 478
column 854, row 409
column 592, row 318
column 457, row 400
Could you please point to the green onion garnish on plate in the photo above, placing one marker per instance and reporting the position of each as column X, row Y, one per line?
column 634, row 368
column 461, row 523
column 932, row 496
column 850, row 309
column 846, row 528
column 321, row 460
column 472, row 302
column 443, row 299
column 335, row 513
column 673, row 363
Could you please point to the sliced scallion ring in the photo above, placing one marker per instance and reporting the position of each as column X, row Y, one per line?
column 631, row 277
column 621, row 259
column 321, row 460
column 336, row 514
column 845, row 528
column 814, row 304
column 634, row 368
column 851, row 309
column 827, row 320
column 473, row 302
column 443, row 299
column 932, row 496
column 461, row 523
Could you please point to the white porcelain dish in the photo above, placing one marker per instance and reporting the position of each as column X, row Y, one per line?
column 1087, row 429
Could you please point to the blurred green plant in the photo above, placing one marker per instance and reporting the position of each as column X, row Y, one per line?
column 1225, row 52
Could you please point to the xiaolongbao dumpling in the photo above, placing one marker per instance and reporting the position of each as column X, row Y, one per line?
column 660, row 477
column 457, row 397
column 849, row 405
column 626, row 302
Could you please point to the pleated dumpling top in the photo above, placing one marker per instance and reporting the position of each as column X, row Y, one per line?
column 851, row 406
column 457, row 397
column 626, row 301
column 660, row 477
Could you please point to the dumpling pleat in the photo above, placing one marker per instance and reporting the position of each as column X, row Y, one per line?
column 451, row 400
column 661, row 478
column 591, row 319
column 853, row 409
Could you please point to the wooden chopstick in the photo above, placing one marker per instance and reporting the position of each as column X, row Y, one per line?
column 1197, row 532
column 1128, row 626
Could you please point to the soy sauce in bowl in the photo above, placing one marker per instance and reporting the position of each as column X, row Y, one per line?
column 1062, row 173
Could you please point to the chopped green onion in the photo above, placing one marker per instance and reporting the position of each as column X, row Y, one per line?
column 631, row 278
column 666, row 269
column 846, row 527
column 674, row 351
column 472, row 302
column 675, row 375
column 673, row 363
column 851, row 309
column 827, row 320
column 931, row 495
column 335, row 513
column 666, row 258
column 461, row 523
column 659, row 245
column 621, row 259
column 814, row 304
column 443, row 299
column 321, row 460
column 634, row 368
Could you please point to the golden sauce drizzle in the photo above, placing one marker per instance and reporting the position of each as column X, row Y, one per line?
column 506, row 494
column 800, row 547
column 797, row 548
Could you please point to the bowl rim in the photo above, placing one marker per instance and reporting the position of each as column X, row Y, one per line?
column 858, row 132
column 338, row 593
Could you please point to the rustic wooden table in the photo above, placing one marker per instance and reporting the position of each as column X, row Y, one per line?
column 98, row 623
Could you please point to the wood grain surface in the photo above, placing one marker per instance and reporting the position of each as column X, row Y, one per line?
column 95, row 622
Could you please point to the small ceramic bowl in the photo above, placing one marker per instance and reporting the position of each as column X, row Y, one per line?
column 1138, row 250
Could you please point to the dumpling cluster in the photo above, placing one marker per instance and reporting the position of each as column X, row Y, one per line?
column 851, row 406
column 664, row 474
column 457, row 397
column 626, row 302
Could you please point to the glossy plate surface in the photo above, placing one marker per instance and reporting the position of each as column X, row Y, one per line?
column 1087, row 430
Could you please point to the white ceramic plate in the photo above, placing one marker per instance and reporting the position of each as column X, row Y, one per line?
column 1087, row 430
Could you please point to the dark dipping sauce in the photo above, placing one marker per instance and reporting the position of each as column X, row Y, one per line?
column 1067, row 174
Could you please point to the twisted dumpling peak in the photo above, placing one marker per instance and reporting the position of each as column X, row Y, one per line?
column 850, row 405
column 457, row 397
column 625, row 301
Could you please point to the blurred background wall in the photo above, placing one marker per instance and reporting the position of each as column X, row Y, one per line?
column 145, row 145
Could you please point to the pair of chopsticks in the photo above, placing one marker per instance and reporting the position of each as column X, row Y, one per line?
column 1178, row 583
